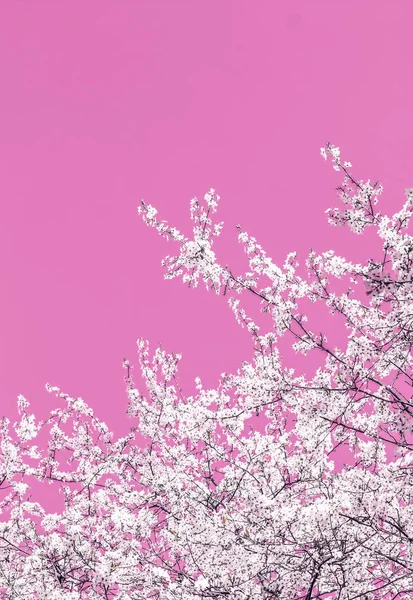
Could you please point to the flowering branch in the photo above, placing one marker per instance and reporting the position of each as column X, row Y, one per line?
column 209, row 508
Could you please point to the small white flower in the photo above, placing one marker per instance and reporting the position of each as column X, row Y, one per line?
column 201, row 583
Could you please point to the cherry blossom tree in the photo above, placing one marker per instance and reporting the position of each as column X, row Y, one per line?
column 207, row 507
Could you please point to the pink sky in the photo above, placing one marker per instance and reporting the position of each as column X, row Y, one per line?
column 103, row 103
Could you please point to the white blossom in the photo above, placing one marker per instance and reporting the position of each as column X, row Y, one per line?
column 208, row 506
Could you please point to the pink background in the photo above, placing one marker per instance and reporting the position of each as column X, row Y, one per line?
column 104, row 103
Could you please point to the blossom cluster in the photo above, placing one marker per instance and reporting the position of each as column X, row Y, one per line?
column 207, row 507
